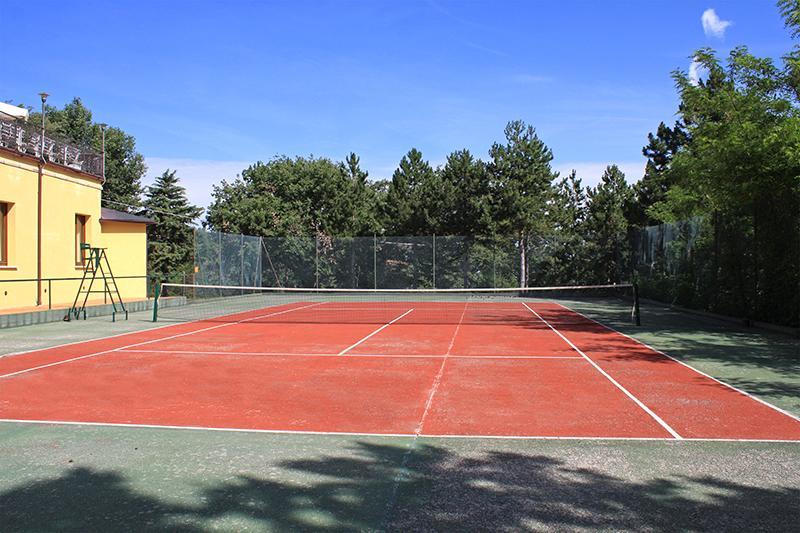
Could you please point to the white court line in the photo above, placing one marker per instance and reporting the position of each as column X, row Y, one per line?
column 388, row 355
column 375, row 332
column 403, row 470
column 607, row 376
column 135, row 332
column 740, row 391
column 438, row 379
column 86, row 341
column 154, row 340
column 387, row 435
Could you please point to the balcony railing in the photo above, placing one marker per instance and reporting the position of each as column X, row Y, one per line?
column 27, row 139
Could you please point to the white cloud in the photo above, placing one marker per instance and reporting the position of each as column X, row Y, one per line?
column 196, row 175
column 696, row 71
column 590, row 172
column 713, row 26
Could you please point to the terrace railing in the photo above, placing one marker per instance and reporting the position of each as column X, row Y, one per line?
column 26, row 138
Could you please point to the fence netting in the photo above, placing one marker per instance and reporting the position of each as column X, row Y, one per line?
column 692, row 263
column 720, row 266
column 355, row 262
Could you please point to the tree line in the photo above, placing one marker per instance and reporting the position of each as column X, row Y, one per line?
column 730, row 160
column 513, row 194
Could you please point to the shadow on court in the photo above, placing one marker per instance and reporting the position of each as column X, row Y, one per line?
column 757, row 361
column 465, row 487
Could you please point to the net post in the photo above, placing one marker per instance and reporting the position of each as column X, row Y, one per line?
column 156, row 295
column 636, row 315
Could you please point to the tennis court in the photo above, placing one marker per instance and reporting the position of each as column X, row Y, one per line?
column 500, row 363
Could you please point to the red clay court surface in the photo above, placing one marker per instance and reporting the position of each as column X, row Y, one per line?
column 537, row 370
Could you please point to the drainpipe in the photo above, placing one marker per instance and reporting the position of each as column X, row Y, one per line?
column 39, row 209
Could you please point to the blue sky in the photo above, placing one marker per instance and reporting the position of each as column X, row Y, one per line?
column 209, row 87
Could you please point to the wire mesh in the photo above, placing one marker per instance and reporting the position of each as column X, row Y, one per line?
column 388, row 262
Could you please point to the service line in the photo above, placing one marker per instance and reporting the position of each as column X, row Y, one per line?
column 121, row 348
column 375, row 332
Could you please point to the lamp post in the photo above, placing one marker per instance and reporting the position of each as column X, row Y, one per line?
column 43, row 96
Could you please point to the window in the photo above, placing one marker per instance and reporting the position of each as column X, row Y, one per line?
column 80, row 237
column 4, row 233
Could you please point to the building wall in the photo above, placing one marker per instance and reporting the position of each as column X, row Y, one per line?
column 127, row 254
column 64, row 194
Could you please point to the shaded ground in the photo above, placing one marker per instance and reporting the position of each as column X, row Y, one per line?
column 760, row 362
column 113, row 479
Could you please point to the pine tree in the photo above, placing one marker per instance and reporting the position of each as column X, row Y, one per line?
column 170, row 240
column 522, row 185
column 413, row 197
column 365, row 206
column 569, row 255
column 74, row 122
column 466, row 182
column 607, row 227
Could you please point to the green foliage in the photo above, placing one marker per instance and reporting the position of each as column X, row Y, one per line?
column 466, row 186
column 365, row 207
column 790, row 11
column 656, row 182
column 286, row 196
column 416, row 199
column 170, row 240
column 607, row 227
column 564, row 254
column 739, row 170
column 124, row 170
column 522, row 180
column 522, row 188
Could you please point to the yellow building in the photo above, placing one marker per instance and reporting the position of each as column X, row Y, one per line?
column 48, row 206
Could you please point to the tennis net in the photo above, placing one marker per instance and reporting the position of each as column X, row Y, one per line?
column 216, row 303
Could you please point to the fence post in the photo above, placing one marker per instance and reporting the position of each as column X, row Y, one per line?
column 434, row 260
column 494, row 265
column 375, row 260
column 259, row 263
column 316, row 261
column 241, row 261
column 219, row 256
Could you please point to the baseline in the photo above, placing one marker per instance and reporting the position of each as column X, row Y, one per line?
column 387, row 435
